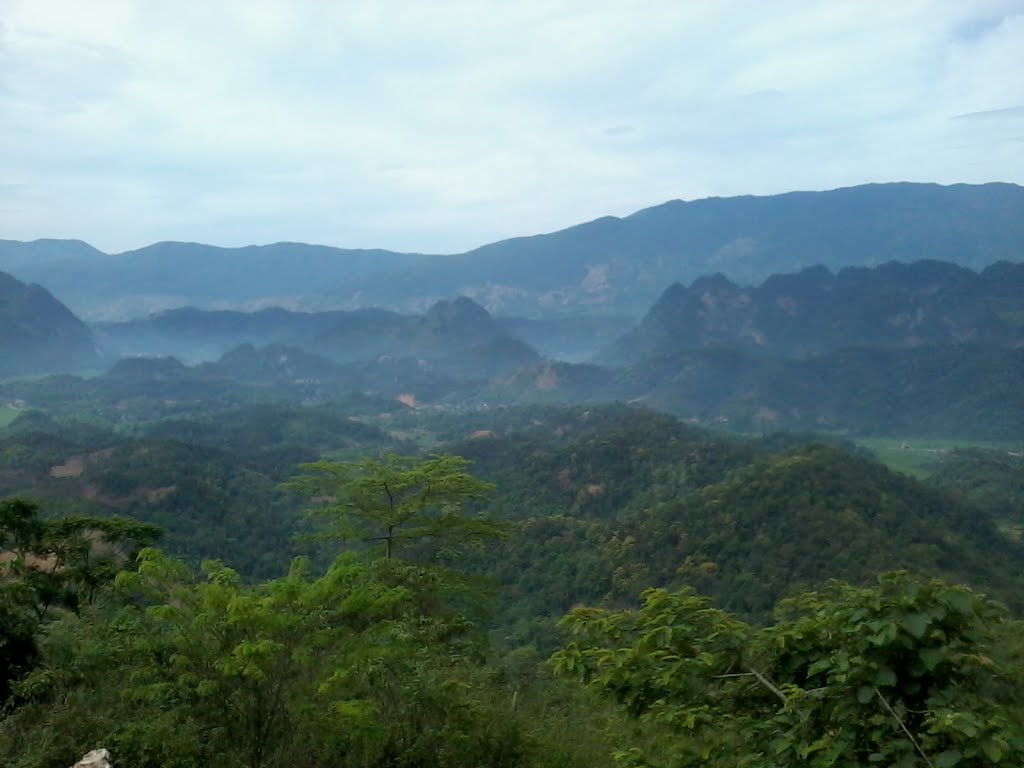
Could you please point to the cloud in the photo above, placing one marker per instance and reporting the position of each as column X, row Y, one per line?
column 994, row 114
column 439, row 126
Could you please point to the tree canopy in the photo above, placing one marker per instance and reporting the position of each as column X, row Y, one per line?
column 399, row 501
column 905, row 673
column 46, row 565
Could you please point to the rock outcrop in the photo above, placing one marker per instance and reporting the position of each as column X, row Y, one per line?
column 98, row 758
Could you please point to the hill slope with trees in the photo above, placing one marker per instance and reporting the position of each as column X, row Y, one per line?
column 38, row 334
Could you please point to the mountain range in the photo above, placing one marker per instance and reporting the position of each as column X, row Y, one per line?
column 814, row 311
column 926, row 349
column 611, row 265
column 907, row 346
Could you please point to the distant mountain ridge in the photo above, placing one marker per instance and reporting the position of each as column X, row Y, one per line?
column 610, row 264
column 169, row 275
column 613, row 262
column 14, row 253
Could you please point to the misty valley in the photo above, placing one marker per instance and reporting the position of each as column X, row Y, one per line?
column 732, row 482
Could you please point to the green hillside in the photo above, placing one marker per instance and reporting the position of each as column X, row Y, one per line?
column 438, row 650
column 38, row 333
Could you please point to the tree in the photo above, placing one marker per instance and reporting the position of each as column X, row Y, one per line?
column 903, row 674
column 344, row 668
column 53, row 564
column 265, row 667
column 399, row 501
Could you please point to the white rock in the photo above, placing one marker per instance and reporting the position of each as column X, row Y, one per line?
column 98, row 758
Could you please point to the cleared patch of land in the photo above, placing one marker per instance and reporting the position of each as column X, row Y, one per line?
column 919, row 456
column 7, row 415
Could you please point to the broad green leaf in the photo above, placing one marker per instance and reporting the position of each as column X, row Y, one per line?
column 993, row 751
column 885, row 677
column 916, row 624
column 931, row 657
column 819, row 666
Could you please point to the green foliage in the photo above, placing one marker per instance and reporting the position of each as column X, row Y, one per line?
column 904, row 673
column 369, row 664
column 382, row 661
column 7, row 415
column 991, row 479
column 640, row 499
column 52, row 565
column 598, row 463
column 18, row 648
column 63, row 562
column 921, row 457
column 398, row 502
column 272, row 439
column 267, row 667
column 210, row 502
column 794, row 520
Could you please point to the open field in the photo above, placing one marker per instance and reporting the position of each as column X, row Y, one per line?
column 7, row 415
column 918, row 456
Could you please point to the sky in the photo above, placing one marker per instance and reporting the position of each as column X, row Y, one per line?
column 443, row 125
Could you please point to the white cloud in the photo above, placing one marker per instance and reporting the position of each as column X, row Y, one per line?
column 437, row 126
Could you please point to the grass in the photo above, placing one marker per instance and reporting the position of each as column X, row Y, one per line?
column 7, row 415
column 918, row 456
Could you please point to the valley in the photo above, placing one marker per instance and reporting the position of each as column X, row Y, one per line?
column 427, row 516
column 921, row 457
column 511, row 385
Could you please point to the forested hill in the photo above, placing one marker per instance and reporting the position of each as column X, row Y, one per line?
column 599, row 502
column 814, row 311
column 210, row 483
column 38, row 333
column 610, row 264
column 607, row 501
column 411, row 658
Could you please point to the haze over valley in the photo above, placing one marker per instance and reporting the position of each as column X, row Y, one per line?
column 524, row 386
column 747, row 434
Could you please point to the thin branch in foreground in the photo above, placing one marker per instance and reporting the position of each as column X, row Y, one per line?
column 768, row 684
column 905, row 729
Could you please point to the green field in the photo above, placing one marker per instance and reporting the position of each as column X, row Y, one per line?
column 919, row 456
column 7, row 415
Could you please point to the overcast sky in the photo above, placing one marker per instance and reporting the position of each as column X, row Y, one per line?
column 438, row 126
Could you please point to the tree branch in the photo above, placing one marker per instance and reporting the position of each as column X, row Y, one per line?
column 768, row 684
column 905, row 729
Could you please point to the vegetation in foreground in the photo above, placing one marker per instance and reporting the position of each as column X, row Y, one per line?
column 902, row 673
column 382, row 658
